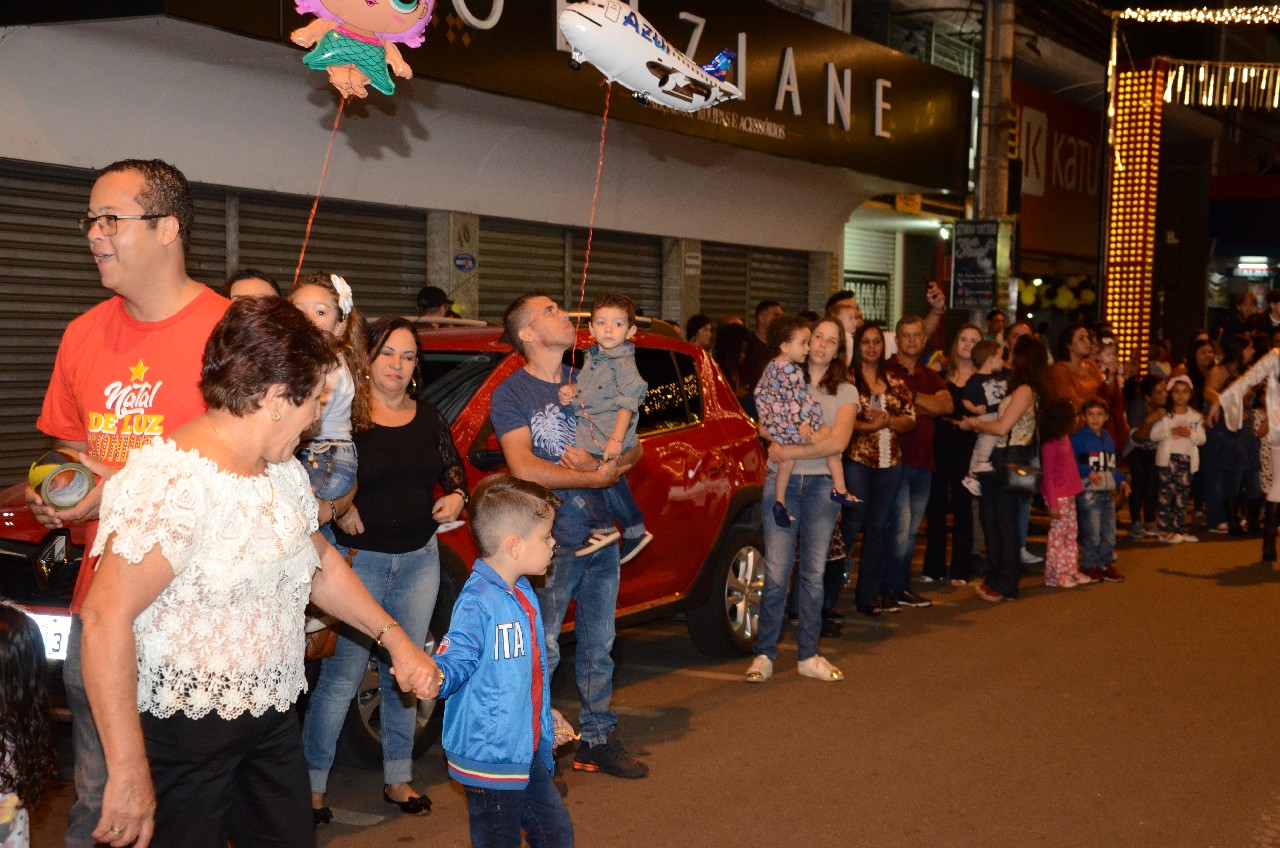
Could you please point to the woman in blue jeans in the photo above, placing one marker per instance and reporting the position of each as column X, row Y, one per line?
column 873, row 468
column 389, row 535
column 999, row 508
column 809, row 501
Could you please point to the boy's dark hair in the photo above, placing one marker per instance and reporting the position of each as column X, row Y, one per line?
column 616, row 301
column 782, row 329
column 983, row 351
column 1095, row 403
column 1273, row 296
column 503, row 505
column 1057, row 420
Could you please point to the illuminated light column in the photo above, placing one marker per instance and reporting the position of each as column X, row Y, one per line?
column 1131, row 216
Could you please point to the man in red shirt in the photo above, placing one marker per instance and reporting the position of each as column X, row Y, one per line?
column 931, row 398
column 126, row 371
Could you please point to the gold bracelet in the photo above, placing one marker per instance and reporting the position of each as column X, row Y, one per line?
column 378, row 638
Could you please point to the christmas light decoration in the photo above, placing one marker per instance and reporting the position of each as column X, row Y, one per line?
column 1236, row 85
column 1131, row 215
column 1236, row 15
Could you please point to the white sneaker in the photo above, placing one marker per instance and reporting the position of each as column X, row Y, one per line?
column 818, row 668
column 1171, row 538
column 760, row 670
column 1029, row 558
column 1189, row 538
column 971, row 483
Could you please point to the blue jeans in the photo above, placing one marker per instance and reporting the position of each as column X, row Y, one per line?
column 877, row 488
column 91, row 763
column 498, row 815
column 406, row 586
column 1096, row 512
column 908, row 512
column 592, row 581
column 624, row 509
column 330, row 466
column 809, row 499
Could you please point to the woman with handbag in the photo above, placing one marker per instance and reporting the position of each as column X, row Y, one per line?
column 873, row 468
column 389, row 532
column 1014, row 479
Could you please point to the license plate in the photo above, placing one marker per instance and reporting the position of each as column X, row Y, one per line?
column 56, row 630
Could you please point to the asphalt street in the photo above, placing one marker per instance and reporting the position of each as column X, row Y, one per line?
column 1134, row 714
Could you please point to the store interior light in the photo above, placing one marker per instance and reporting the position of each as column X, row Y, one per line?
column 944, row 233
column 1038, row 281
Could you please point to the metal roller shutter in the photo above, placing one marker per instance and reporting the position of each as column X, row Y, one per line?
column 517, row 257
column 621, row 263
column 736, row 278
column 381, row 251
column 207, row 258
column 724, row 281
column 781, row 275
column 868, row 271
column 47, row 278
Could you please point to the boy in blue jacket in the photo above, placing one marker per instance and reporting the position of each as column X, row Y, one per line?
column 1095, row 452
column 499, row 728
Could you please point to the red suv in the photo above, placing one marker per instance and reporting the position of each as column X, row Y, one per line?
column 699, row 485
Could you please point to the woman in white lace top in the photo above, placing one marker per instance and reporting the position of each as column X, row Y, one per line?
column 193, row 631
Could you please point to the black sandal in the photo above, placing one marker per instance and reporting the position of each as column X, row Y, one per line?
column 321, row 815
column 418, row 806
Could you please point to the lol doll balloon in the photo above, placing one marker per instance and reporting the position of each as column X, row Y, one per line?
column 354, row 40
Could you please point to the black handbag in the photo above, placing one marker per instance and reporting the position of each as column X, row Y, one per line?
column 1014, row 469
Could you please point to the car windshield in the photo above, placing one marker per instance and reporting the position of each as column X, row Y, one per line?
column 452, row 377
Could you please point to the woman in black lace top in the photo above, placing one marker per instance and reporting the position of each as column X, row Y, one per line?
column 405, row 458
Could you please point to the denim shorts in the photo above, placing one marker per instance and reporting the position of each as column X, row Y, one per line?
column 331, row 467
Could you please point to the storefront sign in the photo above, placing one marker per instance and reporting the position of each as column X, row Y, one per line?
column 974, row 252
column 1059, row 143
column 464, row 262
column 811, row 92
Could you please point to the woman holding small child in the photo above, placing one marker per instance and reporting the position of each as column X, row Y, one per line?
column 808, row 498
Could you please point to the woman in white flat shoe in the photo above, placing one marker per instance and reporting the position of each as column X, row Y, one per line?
column 809, row 499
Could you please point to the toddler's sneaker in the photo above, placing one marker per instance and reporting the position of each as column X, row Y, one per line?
column 609, row 757
column 597, row 540
column 1029, row 558
column 971, row 483
column 781, row 517
column 1110, row 575
column 981, row 468
column 631, row 547
column 844, row 498
column 1187, row 537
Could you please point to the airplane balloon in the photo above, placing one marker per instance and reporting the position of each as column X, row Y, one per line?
column 626, row 48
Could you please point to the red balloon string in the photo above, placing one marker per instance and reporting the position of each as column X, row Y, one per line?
column 591, row 229
column 319, row 190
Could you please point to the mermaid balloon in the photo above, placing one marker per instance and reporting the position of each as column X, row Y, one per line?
column 353, row 40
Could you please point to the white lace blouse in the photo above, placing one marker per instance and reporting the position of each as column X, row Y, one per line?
column 227, row 634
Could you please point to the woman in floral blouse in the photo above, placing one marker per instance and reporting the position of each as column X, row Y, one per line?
column 873, row 465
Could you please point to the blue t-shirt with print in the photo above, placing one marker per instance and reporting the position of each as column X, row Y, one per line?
column 523, row 400
column 987, row 389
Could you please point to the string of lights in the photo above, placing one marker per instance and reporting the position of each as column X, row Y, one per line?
column 1234, row 15
column 1243, row 85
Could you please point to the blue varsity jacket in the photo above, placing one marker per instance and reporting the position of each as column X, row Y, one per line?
column 487, row 660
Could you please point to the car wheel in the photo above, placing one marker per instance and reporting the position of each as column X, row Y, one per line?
column 360, row 743
column 726, row 624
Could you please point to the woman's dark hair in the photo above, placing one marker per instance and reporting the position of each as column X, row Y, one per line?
column 1198, row 377
column 694, row 325
column 859, row 379
column 259, row 343
column 1233, row 348
column 27, row 757
column 1148, row 385
column 249, row 274
column 380, row 331
column 1030, row 365
column 837, row 371
column 1057, row 420
column 731, row 342
column 782, row 329
column 1063, row 352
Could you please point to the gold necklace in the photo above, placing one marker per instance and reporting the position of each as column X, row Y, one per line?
column 239, row 467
